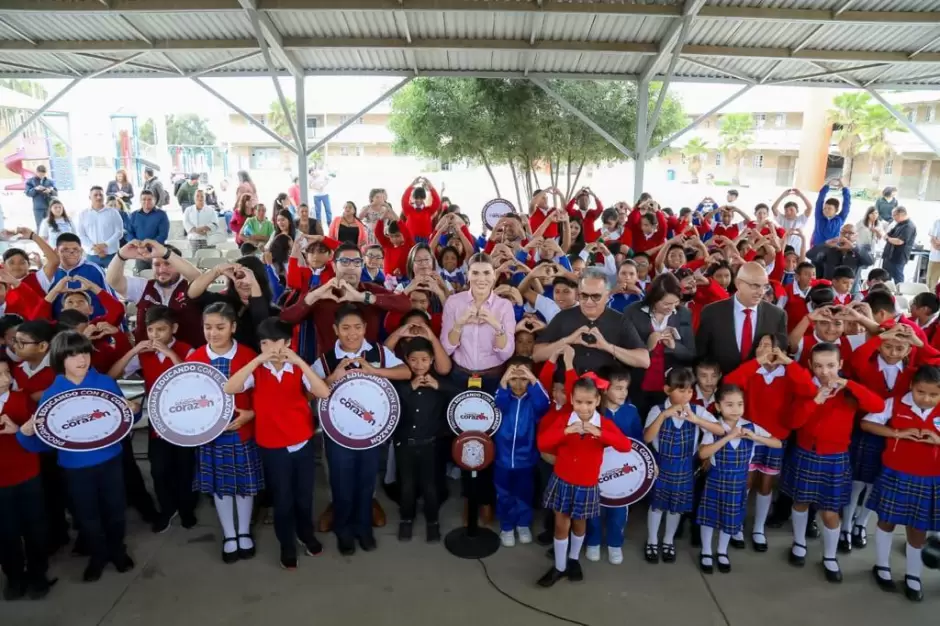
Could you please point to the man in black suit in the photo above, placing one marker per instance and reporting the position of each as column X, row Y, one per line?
column 728, row 331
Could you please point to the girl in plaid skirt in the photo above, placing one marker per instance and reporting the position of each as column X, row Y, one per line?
column 229, row 467
column 908, row 490
column 725, row 497
column 578, row 444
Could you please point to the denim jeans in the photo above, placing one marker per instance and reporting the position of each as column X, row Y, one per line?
column 896, row 270
column 323, row 200
column 102, row 262
column 40, row 215
column 613, row 520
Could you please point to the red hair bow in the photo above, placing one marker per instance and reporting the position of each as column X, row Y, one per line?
column 599, row 382
column 821, row 282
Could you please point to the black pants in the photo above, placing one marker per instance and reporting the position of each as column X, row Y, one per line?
column 544, row 472
column 55, row 499
column 98, row 503
column 289, row 478
column 135, row 490
column 416, row 466
column 23, row 531
column 171, row 468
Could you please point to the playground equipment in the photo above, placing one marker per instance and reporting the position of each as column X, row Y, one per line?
column 31, row 149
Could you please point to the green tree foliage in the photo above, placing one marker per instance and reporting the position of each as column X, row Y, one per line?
column 514, row 122
column 147, row 132
column 695, row 152
column 188, row 129
column 875, row 125
column 276, row 119
column 847, row 112
column 736, row 132
column 28, row 87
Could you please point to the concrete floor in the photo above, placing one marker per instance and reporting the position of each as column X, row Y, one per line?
column 180, row 581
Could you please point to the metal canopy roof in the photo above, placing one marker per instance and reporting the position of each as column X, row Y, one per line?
column 882, row 44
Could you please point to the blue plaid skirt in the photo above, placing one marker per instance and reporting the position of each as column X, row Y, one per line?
column 768, row 460
column 866, row 451
column 672, row 491
column 908, row 500
column 572, row 500
column 821, row 479
column 724, row 501
column 228, row 466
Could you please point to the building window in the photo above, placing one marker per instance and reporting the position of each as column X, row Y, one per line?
column 718, row 159
column 345, row 118
column 760, row 119
column 343, row 151
column 781, row 120
column 931, row 114
column 359, row 150
column 912, row 116
column 706, row 124
column 758, row 160
column 889, row 167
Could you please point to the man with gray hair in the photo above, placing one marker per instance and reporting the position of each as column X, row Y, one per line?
column 598, row 334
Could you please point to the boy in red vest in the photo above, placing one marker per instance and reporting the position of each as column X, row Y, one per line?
column 794, row 302
column 908, row 490
column 417, row 211
column 171, row 466
column 283, row 385
column 23, row 547
column 396, row 244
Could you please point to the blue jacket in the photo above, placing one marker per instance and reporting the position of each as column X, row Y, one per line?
column 829, row 228
column 69, row 459
column 88, row 270
column 154, row 225
column 40, row 200
column 627, row 419
column 515, row 437
column 619, row 301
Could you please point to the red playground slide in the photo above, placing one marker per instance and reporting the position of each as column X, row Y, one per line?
column 14, row 163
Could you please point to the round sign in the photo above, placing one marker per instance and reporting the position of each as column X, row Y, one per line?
column 496, row 209
column 82, row 420
column 187, row 405
column 361, row 412
column 473, row 411
column 626, row 476
column 473, row 451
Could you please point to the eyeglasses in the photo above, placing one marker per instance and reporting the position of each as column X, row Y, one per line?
column 752, row 285
column 348, row 262
column 375, row 257
column 423, row 262
column 19, row 343
column 593, row 297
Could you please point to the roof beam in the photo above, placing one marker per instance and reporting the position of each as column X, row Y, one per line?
column 714, row 68
column 271, row 35
column 675, row 38
column 143, row 66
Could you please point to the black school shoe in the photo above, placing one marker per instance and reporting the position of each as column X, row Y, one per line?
column 123, row 563
column 551, row 577
column 346, row 546
column 651, row 554
column 93, row 571
column 188, row 521
column 575, row 574
column 669, row 553
column 405, row 530
column 793, row 559
column 832, row 576
column 313, row 547
column 724, row 566
column 288, row 561
column 247, row 553
column 885, row 584
column 914, row 595
column 229, row 557
column 367, row 543
column 737, row 544
column 845, row 543
column 545, row 538
column 433, row 533
column 859, row 537
column 759, row 546
column 706, row 568
column 38, row 587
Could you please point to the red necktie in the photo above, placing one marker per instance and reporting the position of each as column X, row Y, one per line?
column 747, row 335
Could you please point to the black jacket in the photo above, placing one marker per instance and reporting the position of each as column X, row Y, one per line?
column 830, row 258
column 716, row 340
column 637, row 315
column 905, row 231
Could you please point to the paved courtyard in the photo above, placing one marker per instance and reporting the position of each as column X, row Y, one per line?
column 181, row 581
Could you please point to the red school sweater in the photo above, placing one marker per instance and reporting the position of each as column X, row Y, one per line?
column 864, row 367
column 108, row 350
column 420, row 221
column 578, row 457
column 918, row 458
column 588, row 219
column 769, row 405
column 17, row 465
column 282, row 408
column 827, row 428
column 243, row 356
column 396, row 258
column 41, row 380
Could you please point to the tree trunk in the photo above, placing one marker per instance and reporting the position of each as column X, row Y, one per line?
column 847, row 170
column 574, row 183
column 515, row 181
column 568, row 177
column 489, row 171
column 553, row 178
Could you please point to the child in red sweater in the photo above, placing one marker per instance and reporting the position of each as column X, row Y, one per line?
column 819, row 472
column 23, row 551
column 283, row 385
column 578, row 445
column 417, row 211
column 396, row 244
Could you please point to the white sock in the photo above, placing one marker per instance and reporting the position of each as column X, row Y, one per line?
column 708, row 534
column 848, row 511
column 883, row 551
column 225, row 509
column 800, row 521
column 864, row 513
column 390, row 466
column 244, row 505
column 561, row 554
column 914, row 566
column 653, row 519
column 672, row 525
column 576, row 542
column 723, row 540
column 761, row 510
column 830, row 546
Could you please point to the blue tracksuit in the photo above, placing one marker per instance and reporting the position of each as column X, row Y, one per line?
column 614, row 520
column 829, row 228
column 517, row 454
column 619, row 301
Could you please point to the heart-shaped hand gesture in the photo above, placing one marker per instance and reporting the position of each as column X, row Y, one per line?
column 7, row 426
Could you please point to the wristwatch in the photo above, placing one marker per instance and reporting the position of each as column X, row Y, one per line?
column 166, row 257
column 368, row 297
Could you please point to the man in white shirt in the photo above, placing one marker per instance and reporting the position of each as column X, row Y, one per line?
column 933, row 265
column 100, row 228
column 319, row 179
column 200, row 221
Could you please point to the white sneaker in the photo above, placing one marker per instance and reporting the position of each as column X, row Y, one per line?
column 525, row 535
column 593, row 553
column 507, row 538
column 615, row 555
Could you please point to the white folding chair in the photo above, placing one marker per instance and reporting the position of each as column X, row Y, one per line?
column 209, row 263
column 226, row 245
column 148, row 274
column 207, row 253
column 912, row 289
column 232, row 255
column 217, row 287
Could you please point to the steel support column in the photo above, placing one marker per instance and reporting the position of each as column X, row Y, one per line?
column 584, row 118
column 642, row 116
column 38, row 113
column 701, row 118
column 300, row 102
column 263, row 44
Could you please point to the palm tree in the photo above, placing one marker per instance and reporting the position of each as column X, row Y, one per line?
column 736, row 137
column 874, row 127
column 848, row 113
column 694, row 151
column 276, row 119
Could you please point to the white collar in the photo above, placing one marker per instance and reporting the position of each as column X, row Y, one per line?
column 908, row 399
column 740, row 308
column 797, row 291
column 228, row 355
column 770, row 376
column 699, row 394
column 595, row 419
column 4, row 397
column 884, row 365
column 286, row 367
column 932, row 319
column 342, row 354
column 162, row 357
column 29, row 371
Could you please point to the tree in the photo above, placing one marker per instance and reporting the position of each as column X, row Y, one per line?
column 694, row 151
column 874, row 127
column 849, row 109
column 27, row 87
column 276, row 119
column 736, row 135
column 188, row 129
column 147, row 132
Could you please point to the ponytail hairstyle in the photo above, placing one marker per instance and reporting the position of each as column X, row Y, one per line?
column 680, row 378
column 222, row 309
column 726, row 390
